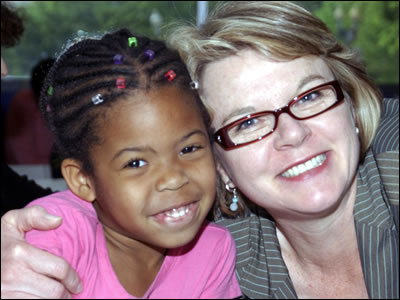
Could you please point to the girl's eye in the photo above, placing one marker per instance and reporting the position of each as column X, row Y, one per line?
column 190, row 149
column 137, row 163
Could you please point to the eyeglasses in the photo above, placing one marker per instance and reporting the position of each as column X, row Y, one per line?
column 255, row 127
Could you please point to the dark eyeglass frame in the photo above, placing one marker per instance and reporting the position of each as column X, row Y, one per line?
column 222, row 138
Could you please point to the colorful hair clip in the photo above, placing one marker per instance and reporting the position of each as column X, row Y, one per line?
column 194, row 85
column 120, row 82
column 170, row 75
column 117, row 59
column 50, row 91
column 132, row 40
column 149, row 54
column 97, row 99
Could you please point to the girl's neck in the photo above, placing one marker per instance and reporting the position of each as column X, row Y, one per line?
column 136, row 250
column 135, row 263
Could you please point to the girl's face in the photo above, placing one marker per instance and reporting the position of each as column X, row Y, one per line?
column 154, row 173
column 249, row 82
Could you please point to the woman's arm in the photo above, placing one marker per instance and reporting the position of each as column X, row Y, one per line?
column 27, row 272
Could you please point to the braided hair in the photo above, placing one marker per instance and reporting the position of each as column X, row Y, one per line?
column 87, row 69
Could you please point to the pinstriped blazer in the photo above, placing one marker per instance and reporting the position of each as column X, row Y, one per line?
column 260, row 268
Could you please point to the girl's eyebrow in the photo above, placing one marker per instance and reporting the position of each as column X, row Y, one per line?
column 133, row 149
column 150, row 149
column 197, row 131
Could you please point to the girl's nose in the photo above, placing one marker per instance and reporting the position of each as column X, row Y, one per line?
column 171, row 178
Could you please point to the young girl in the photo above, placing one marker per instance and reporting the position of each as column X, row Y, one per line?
column 140, row 172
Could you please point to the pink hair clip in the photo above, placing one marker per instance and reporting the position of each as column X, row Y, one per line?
column 170, row 75
column 120, row 82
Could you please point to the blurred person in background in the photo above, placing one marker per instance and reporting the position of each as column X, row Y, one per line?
column 27, row 140
column 17, row 191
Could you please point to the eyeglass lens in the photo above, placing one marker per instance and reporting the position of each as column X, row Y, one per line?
column 305, row 106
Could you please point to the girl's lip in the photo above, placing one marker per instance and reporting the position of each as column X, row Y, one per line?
column 301, row 162
column 181, row 220
column 175, row 206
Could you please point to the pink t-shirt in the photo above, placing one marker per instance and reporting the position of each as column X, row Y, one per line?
column 205, row 268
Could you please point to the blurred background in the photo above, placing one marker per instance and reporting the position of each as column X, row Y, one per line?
column 370, row 27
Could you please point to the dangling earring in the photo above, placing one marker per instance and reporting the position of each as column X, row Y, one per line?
column 234, row 205
column 357, row 130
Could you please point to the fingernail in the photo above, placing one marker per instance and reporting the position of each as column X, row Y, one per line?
column 53, row 218
column 79, row 288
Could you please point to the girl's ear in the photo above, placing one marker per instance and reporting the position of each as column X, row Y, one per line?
column 78, row 182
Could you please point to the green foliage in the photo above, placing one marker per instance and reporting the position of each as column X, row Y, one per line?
column 376, row 33
column 49, row 24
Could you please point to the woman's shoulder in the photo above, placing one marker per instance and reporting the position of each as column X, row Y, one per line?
column 387, row 136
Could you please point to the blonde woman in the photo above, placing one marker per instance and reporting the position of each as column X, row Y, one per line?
column 305, row 147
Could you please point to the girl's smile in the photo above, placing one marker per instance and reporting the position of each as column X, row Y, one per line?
column 154, row 170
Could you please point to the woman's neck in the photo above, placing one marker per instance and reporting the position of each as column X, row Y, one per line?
column 319, row 241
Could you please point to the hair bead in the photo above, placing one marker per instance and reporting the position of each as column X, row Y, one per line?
column 120, row 82
column 170, row 75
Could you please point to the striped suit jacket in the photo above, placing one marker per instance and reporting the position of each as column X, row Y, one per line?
column 260, row 268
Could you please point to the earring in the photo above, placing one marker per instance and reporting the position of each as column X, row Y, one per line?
column 234, row 205
column 357, row 130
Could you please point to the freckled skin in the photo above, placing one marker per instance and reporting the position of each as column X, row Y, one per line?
column 250, row 80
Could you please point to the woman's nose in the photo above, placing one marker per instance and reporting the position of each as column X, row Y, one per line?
column 290, row 132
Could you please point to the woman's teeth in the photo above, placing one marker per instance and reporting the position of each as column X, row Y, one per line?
column 307, row 166
column 177, row 212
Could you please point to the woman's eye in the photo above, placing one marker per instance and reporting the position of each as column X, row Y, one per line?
column 246, row 124
column 309, row 97
column 190, row 149
column 137, row 163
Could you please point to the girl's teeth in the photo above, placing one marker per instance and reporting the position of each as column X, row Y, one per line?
column 307, row 166
column 177, row 213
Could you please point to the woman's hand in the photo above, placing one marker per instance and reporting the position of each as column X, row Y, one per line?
column 26, row 271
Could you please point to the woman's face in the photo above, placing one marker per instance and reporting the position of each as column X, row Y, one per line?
column 249, row 82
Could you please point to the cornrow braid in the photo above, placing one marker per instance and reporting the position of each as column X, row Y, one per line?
column 87, row 69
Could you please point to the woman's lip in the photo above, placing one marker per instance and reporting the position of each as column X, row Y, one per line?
column 301, row 162
column 309, row 174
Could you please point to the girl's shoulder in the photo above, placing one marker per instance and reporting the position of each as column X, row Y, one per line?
column 66, row 205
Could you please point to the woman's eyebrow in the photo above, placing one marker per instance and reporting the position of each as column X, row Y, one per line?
column 308, row 79
column 238, row 112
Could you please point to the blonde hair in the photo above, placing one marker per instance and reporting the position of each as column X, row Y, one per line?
column 282, row 30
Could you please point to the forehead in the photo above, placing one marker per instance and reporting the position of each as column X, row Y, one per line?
column 252, row 79
column 160, row 108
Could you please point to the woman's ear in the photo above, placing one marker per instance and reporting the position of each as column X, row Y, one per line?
column 77, row 180
column 224, row 175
